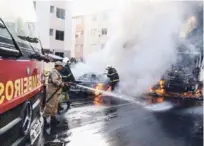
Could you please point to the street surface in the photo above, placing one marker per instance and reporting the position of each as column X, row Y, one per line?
column 128, row 124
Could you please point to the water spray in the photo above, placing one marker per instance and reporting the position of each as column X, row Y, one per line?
column 124, row 97
column 132, row 100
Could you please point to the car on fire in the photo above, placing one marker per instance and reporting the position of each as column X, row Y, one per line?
column 185, row 78
column 88, row 88
column 86, row 83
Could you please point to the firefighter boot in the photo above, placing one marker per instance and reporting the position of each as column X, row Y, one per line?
column 46, row 123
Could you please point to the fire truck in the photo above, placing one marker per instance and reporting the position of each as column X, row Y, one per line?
column 22, row 88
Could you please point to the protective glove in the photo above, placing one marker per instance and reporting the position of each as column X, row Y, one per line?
column 62, row 84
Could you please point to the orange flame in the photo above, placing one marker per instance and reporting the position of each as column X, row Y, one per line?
column 160, row 99
column 99, row 87
column 161, row 82
column 160, row 91
column 98, row 98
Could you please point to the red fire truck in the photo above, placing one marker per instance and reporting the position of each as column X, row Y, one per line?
column 21, row 78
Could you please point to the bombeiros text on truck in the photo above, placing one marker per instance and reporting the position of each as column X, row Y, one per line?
column 22, row 88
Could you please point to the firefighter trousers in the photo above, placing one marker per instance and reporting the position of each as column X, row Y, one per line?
column 114, row 85
column 51, row 107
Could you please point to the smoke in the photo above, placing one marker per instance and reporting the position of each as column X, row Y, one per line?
column 142, row 46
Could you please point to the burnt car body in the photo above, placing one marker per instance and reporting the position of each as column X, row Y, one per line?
column 186, row 76
column 183, row 76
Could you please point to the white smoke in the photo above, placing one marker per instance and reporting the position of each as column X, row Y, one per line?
column 142, row 46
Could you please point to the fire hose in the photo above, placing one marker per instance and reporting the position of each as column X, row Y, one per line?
column 53, row 94
column 71, row 84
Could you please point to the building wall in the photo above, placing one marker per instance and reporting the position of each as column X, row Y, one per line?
column 48, row 20
column 93, row 37
column 73, row 37
column 68, row 29
column 43, row 22
column 78, row 36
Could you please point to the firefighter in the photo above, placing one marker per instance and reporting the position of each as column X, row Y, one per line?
column 67, row 75
column 112, row 74
column 55, row 86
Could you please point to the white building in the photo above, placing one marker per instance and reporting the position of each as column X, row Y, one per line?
column 93, row 30
column 54, row 25
column 77, row 37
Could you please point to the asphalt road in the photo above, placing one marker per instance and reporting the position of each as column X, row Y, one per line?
column 129, row 124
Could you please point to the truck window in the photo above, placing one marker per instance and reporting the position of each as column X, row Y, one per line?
column 5, row 38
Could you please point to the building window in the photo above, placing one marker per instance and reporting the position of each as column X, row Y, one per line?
column 60, row 13
column 51, row 31
column 34, row 4
column 78, row 21
column 61, row 54
column 79, row 34
column 94, row 32
column 59, row 35
column 82, row 33
column 51, row 9
column 104, row 31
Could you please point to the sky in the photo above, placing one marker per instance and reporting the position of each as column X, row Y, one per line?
column 91, row 6
column 83, row 7
column 12, row 9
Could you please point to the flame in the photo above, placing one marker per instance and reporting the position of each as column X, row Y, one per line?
column 196, row 94
column 160, row 99
column 160, row 91
column 99, row 87
column 189, row 94
column 161, row 82
column 155, row 100
column 98, row 98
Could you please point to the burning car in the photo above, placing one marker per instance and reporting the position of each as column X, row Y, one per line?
column 86, row 85
column 185, row 78
column 86, row 88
